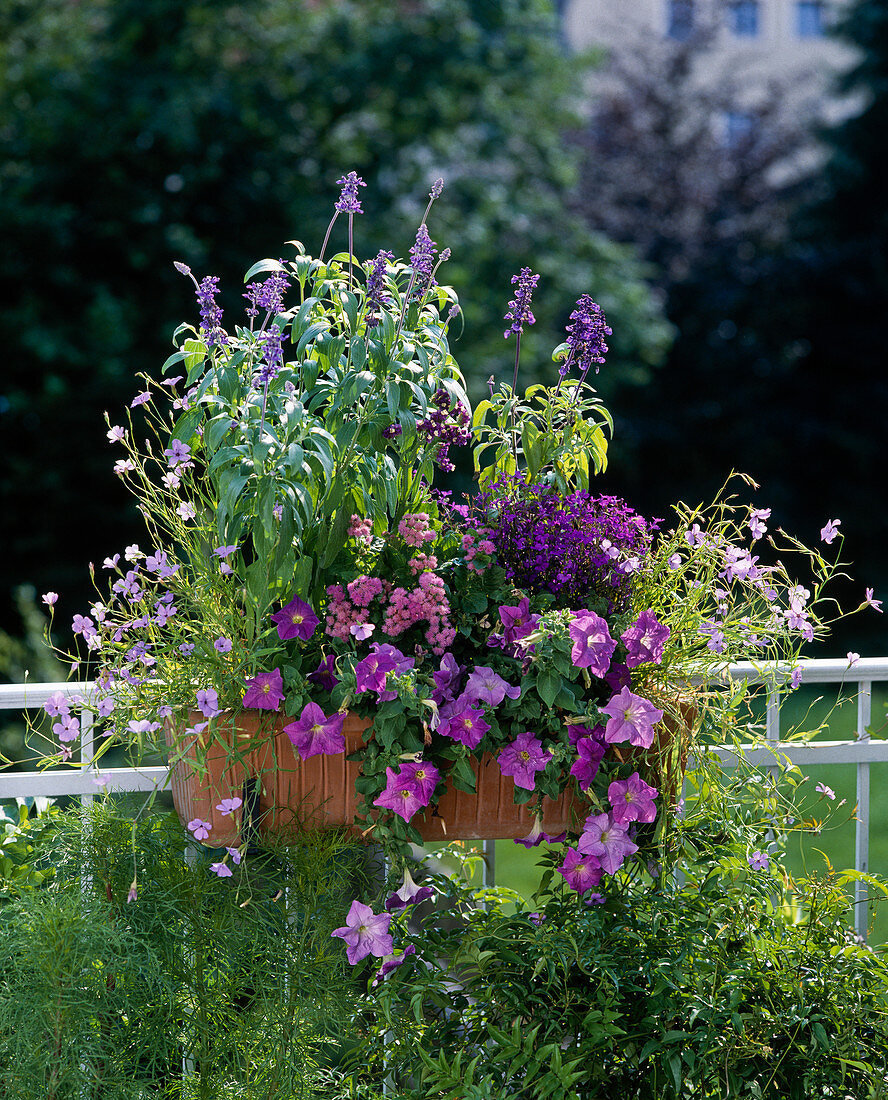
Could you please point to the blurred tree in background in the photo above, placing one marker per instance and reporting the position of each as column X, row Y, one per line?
column 136, row 132
column 769, row 244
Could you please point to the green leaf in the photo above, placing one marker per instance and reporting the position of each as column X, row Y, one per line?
column 548, row 686
column 263, row 265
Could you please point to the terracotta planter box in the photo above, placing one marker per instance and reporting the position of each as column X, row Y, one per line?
column 320, row 792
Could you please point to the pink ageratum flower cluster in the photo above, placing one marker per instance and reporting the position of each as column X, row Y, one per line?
column 426, row 603
column 415, row 530
column 478, row 547
column 361, row 530
column 348, row 607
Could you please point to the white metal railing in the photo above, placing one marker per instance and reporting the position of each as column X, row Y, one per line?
column 80, row 779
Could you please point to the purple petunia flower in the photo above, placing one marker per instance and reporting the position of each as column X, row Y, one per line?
column 593, row 645
column 423, row 775
column 467, row 727
column 325, row 674
column 314, row 733
column 393, row 963
column 403, row 664
column 632, row 800
column 607, row 841
column 519, row 308
column 534, row 837
column 446, row 679
column 644, row 640
column 408, row 894
column 296, row 620
column 370, row 673
column 485, row 686
column 402, row 794
column 265, row 691
column 523, row 759
column 632, row 719
column 365, row 933
column 590, row 753
column 580, row 872
column 517, row 621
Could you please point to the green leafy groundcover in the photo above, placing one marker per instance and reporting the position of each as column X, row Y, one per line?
column 187, row 991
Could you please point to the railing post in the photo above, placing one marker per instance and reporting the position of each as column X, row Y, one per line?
column 861, row 847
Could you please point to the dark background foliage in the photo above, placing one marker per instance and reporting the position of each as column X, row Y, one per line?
column 135, row 132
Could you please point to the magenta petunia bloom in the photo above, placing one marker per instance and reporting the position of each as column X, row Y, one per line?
column 644, row 640
column 403, row 664
column 370, row 673
column 365, row 933
column 581, row 872
column 485, row 686
column 517, row 621
column 402, row 795
column 296, row 620
column 393, row 963
column 590, row 753
column 424, row 775
column 632, row 800
column 447, row 678
column 632, row 719
column 607, row 841
column 265, row 691
column 468, row 727
column 593, row 645
column 408, row 894
column 523, row 759
column 325, row 674
column 534, row 837
column 315, row 733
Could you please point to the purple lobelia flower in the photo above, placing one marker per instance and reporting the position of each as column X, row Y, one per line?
column 348, row 201
column 365, row 933
column 607, row 842
column 644, row 640
column 485, row 686
column 467, row 727
column 590, row 753
column 265, row 691
column 408, row 894
column 523, row 759
column 580, row 872
column 296, row 620
column 585, row 338
column 632, row 800
column 593, row 645
column 314, row 733
column 370, row 674
column 402, row 794
column 632, row 719
column 519, row 308
column 422, row 260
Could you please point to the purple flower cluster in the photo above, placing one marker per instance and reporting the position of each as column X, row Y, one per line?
column 585, row 337
column 447, row 424
column 267, row 296
column 348, row 201
column 376, row 292
column 422, row 260
column 519, row 308
column 576, row 547
column 272, row 356
column 210, row 312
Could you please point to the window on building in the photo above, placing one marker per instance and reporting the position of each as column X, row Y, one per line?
column 680, row 19
column 743, row 18
column 810, row 19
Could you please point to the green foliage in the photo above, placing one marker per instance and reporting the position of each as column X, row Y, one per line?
column 726, row 983
column 206, row 132
column 236, row 981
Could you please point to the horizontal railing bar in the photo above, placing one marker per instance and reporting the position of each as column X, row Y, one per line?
column 26, row 696
column 80, row 781
column 812, row 752
column 814, row 670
